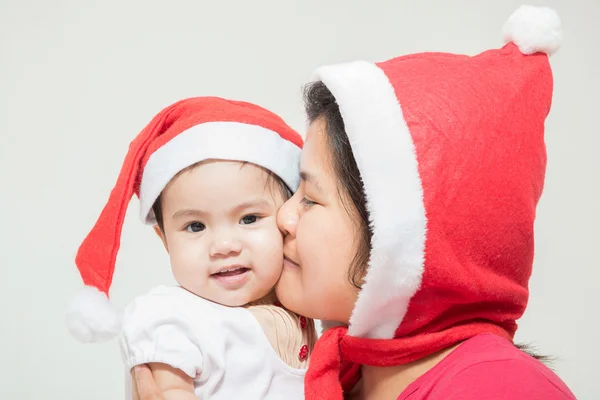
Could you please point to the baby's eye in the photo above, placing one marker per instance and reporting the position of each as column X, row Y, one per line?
column 195, row 227
column 249, row 219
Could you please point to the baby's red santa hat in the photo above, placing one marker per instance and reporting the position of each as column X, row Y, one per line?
column 180, row 136
column 452, row 156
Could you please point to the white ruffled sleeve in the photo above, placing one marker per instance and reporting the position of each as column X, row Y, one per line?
column 157, row 328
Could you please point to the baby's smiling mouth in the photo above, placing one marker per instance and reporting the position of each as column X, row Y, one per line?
column 231, row 271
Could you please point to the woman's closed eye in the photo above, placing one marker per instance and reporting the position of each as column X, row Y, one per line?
column 195, row 227
column 307, row 203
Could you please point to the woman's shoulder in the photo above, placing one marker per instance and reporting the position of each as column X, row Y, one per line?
column 523, row 379
column 488, row 367
column 292, row 336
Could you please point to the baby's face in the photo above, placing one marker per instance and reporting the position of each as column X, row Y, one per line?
column 221, row 232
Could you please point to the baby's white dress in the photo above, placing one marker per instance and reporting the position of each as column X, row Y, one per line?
column 224, row 349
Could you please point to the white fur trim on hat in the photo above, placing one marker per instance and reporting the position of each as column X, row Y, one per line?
column 534, row 30
column 91, row 317
column 217, row 140
column 385, row 155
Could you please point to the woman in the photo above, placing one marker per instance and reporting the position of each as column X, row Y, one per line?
column 413, row 226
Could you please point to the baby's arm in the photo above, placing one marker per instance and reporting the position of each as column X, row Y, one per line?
column 173, row 383
column 159, row 331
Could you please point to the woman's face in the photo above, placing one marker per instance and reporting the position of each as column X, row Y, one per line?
column 320, row 239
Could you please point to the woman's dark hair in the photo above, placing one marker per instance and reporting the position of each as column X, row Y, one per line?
column 320, row 103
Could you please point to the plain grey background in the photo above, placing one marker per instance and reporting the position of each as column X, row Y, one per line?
column 79, row 79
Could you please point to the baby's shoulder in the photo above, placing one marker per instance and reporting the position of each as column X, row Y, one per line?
column 168, row 302
column 167, row 294
column 171, row 292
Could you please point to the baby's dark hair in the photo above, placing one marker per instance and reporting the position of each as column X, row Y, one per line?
column 272, row 181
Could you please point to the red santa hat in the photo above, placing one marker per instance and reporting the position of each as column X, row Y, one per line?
column 452, row 156
column 181, row 135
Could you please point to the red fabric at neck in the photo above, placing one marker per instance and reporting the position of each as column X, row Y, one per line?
column 335, row 365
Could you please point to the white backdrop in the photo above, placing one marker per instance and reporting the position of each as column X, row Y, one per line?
column 79, row 79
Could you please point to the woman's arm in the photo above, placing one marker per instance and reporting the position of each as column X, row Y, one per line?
column 143, row 384
column 158, row 381
column 173, row 383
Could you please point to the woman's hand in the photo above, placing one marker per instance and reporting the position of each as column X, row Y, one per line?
column 144, row 385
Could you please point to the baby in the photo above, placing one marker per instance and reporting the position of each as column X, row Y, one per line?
column 211, row 175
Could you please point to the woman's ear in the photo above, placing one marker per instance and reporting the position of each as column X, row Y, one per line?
column 161, row 235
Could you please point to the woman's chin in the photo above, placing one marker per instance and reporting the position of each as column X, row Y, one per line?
column 288, row 296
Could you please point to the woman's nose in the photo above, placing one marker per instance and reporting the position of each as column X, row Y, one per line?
column 287, row 217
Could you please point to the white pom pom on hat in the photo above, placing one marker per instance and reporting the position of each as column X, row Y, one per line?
column 91, row 317
column 534, row 30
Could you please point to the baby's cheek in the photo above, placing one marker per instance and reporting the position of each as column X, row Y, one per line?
column 189, row 273
column 182, row 276
column 270, row 246
column 275, row 265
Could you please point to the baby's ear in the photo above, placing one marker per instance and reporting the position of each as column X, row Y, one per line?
column 161, row 235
